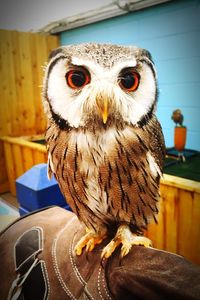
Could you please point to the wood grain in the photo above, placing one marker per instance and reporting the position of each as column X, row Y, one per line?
column 178, row 228
column 22, row 58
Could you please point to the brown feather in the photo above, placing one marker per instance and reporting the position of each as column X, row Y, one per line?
column 125, row 191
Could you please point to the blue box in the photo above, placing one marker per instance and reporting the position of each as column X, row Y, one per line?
column 23, row 211
column 35, row 190
column 67, row 207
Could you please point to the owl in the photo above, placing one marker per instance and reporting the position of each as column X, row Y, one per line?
column 105, row 145
column 177, row 117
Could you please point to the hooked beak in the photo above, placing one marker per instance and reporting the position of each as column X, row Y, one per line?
column 102, row 104
column 105, row 111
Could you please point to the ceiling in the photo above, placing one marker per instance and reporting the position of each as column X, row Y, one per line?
column 55, row 16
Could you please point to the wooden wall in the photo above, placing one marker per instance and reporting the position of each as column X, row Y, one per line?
column 22, row 57
column 21, row 154
column 178, row 228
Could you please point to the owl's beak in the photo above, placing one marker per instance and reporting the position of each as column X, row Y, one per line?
column 102, row 105
column 105, row 111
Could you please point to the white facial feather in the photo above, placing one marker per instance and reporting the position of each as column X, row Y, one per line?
column 101, row 72
column 144, row 96
column 74, row 106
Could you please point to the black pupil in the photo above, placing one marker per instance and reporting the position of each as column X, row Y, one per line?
column 78, row 78
column 128, row 80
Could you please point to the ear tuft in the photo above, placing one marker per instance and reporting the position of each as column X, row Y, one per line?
column 147, row 54
column 54, row 52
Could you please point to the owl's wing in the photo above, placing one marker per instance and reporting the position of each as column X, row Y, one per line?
column 51, row 132
column 157, row 144
column 49, row 166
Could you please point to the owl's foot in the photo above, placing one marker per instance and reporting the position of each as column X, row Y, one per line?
column 90, row 240
column 125, row 237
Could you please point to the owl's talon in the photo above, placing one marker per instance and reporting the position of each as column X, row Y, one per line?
column 141, row 241
column 125, row 237
column 109, row 249
column 126, row 247
column 89, row 240
column 90, row 245
column 78, row 250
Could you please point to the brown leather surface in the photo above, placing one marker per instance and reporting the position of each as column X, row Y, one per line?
column 142, row 274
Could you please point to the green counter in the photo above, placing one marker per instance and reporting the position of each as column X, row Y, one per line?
column 190, row 169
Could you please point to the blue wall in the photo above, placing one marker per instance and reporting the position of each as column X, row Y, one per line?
column 171, row 32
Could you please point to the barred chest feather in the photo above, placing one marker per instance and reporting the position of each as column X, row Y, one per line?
column 109, row 176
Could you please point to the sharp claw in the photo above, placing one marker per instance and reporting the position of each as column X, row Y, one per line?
column 125, row 249
column 125, row 237
column 106, row 254
column 89, row 240
column 110, row 248
column 90, row 245
column 78, row 250
column 99, row 241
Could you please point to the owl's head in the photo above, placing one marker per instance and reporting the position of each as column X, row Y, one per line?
column 99, row 84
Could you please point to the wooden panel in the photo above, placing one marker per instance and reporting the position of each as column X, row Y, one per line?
column 20, row 155
column 27, row 95
column 195, row 232
column 5, row 121
column 156, row 231
column 178, row 228
column 39, row 49
column 4, row 186
column 181, row 183
column 188, row 229
column 10, row 166
column 18, row 160
column 24, row 142
column 27, row 158
column 39, row 157
column 22, row 57
column 16, row 104
column 169, row 195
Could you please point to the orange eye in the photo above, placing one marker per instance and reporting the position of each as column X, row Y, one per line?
column 129, row 80
column 77, row 79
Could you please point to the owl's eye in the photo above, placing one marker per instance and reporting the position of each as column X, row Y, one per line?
column 77, row 79
column 129, row 80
